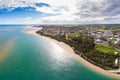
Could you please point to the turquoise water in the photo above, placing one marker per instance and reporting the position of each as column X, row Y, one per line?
column 32, row 58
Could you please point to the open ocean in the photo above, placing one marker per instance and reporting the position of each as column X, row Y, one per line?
column 25, row 57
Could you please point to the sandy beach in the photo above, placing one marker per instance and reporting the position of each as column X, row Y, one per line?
column 32, row 31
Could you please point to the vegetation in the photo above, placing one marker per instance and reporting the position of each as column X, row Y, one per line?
column 118, row 45
column 102, row 59
column 106, row 49
column 103, row 30
column 102, row 56
column 76, row 35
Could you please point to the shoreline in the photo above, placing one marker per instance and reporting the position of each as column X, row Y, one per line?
column 66, row 47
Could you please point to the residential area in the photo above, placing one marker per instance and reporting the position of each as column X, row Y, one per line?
column 104, row 41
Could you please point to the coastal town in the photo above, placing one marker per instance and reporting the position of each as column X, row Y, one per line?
column 100, row 43
column 59, row 39
column 101, row 35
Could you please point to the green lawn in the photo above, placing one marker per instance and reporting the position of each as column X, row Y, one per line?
column 106, row 49
column 103, row 30
column 75, row 34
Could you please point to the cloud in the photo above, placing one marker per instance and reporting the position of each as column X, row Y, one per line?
column 98, row 10
column 47, row 10
column 24, row 19
column 69, row 11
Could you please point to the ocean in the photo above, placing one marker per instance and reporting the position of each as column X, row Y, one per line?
column 26, row 57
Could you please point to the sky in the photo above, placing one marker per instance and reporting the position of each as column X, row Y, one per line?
column 59, row 11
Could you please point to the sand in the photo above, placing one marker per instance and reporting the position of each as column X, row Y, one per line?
column 5, row 49
column 71, row 51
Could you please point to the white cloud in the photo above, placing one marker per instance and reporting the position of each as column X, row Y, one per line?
column 69, row 10
column 64, row 9
column 24, row 19
column 45, row 9
column 20, row 21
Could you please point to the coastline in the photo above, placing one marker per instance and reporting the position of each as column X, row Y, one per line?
column 32, row 31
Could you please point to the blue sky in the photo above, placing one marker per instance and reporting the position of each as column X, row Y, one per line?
column 59, row 11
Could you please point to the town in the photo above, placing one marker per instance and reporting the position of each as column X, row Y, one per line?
column 99, row 44
column 102, row 35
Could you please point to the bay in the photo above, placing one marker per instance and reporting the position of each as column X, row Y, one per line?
column 32, row 58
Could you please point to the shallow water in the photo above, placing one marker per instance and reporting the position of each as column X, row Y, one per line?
column 32, row 58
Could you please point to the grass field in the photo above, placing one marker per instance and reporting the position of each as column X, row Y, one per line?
column 103, row 30
column 76, row 35
column 107, row 49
